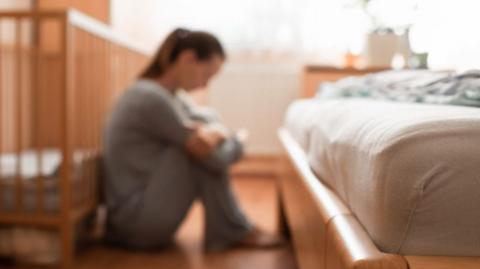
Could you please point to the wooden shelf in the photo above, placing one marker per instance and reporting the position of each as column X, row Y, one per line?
column 313, row 75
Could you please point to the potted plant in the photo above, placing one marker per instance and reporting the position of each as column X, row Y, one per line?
column 387, row 37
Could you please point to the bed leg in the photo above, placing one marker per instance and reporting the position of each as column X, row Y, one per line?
column 282, row 223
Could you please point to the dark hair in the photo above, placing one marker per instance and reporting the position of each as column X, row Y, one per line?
column 204, row 44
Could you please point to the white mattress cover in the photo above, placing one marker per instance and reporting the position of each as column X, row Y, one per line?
column 409, row 172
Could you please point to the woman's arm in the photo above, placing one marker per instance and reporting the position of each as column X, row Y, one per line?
column 164, row 123
column 225, row 154
column 226, row 150
column 209, row 147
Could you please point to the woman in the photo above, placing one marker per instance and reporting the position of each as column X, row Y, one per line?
column 161, row 154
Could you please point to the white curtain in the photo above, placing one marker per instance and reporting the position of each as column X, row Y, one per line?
column 324, row 28
column 449, row 31
column 15, row 4
column 317, row 30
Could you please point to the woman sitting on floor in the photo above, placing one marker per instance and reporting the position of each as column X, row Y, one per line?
column 161, row 154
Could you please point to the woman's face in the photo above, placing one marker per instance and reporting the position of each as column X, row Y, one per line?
column 195, row 74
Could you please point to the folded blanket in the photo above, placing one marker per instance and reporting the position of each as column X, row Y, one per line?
column 421, row 86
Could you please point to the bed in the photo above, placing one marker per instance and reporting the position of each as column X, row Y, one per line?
column 377, row 184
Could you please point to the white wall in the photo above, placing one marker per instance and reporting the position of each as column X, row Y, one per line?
column 7, row 27
column 255, row 96
column 138, row 20
column 14, row 4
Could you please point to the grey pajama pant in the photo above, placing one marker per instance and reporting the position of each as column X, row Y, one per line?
column 166, row 200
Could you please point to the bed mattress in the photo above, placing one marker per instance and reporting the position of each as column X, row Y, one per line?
column 409, row 172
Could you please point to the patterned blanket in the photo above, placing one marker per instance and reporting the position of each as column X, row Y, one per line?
column 421, row 86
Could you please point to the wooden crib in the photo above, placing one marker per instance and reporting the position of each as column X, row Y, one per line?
column 59, row 73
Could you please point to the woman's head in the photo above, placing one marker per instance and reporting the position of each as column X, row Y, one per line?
column 192, row 57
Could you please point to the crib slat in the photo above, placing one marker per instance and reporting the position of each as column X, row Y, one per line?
column 87, row 75
column 68, row 128
column 84, row 117
column 37, row 110
column 18, row 117
column 105, row 93
column 93, row 95
column 93, row 86
column 96, row 95
column 78, row 81
column 2, row 57
column 90, row 96
column 92, row 45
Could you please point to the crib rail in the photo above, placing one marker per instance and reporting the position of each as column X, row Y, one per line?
column 60, row 71
column 102, row 65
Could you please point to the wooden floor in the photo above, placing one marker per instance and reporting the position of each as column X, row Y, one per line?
column 257, row 197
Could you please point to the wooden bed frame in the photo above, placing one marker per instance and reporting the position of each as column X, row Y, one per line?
column 326, row 234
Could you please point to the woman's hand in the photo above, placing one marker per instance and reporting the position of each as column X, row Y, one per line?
column 203, row 140
column 242, row 135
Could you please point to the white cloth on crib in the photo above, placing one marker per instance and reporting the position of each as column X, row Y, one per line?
column 30, row 163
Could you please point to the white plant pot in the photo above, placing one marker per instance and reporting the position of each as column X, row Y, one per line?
column 380, row 49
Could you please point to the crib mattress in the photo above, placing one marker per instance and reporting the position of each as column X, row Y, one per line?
column 409, row 172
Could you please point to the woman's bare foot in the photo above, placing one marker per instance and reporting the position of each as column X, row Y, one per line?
column 257, row 238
